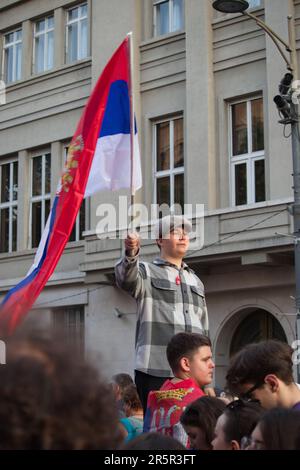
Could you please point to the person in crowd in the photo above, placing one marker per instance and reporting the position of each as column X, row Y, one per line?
column 52, row 399
column 169, row 295
column 153, row 441
column 132, row 425
column 199, row 421
column 264, row 372
column 119, row 383
column 278, row 429
column 238, row 420
column 190, row 359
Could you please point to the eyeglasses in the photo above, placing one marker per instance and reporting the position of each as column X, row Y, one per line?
column 247, row 396
column 248, row 443
column 179, row 234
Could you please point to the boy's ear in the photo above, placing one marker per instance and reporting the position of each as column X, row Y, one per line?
column 184, row 364
column 235, row 445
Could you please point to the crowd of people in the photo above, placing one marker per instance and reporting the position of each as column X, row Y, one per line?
column 52, row 398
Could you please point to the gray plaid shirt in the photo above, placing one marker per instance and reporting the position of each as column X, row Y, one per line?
column 164, row 308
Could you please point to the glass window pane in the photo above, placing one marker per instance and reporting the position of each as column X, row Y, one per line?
column 4, row 230
column 14, row 227
column 239, row 129
column 37, row 176
column 5, row 178
column 83, row 10
column 9, row 38
column 47, row 210
column 18, row 62
column 179, row 190
column 83, row 40
column 257, row 125
column 15, row 181
column 36, row 223
column 50, row 22
column 163, row 191
column 177, row 15
column 178, row 143
column 260, row 187
column 241, row 184
column 82, row 220
column 40, row 26
column 50, row 54
column 9, row 65
column 39, row 53
column 254, row 3
column 72, row 42
column 72, row 237
column 73, row 14
column 162, row 15
column 163, row 146
column 48, row 173
column 18, row 35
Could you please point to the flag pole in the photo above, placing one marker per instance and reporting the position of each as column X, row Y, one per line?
column 132, row 121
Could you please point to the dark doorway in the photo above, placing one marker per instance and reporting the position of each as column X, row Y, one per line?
column 258, row 326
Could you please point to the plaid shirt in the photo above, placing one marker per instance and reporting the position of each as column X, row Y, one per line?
column 169, row 301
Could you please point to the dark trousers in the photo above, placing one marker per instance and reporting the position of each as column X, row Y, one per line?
column 146, row 383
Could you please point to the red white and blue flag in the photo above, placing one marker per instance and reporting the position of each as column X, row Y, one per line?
column 99, row 158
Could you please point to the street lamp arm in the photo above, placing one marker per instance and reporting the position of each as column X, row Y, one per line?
column 275, row 38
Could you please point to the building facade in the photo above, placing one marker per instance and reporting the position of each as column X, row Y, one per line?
column 209, row 134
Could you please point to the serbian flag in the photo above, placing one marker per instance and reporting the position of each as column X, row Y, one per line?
column 99, row 158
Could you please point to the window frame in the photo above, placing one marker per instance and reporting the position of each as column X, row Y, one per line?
column 78, row 236
column 79, row 21
column 248, row 158
column 41, row 198
column 171, row 18
column 10, row 204
column 35, row 36
column 172, row 172
column 12, row 45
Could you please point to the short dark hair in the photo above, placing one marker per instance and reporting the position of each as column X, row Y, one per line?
column 153, row 441
column 123, row 380
column 203, row 413
column 184, row 345
column 241, row 419
column 254, row 362
column 280, row 429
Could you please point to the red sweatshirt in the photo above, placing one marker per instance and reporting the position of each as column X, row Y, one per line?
column 165, row 406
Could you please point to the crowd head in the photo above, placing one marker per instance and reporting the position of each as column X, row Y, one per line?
column 50, row 398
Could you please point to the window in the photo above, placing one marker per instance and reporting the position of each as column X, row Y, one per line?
column 80, row 222
column 247, row 152
column 254, row 3
column 168, row 16
column 8, row 206
column 40, row 196
column 169, row 162
column 69, row 321
column 77, row 33
column 13, row 56
column 44, row 44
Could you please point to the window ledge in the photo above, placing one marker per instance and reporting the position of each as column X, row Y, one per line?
column 230, row 17
column 163, row 39
column 70, row 246
column 48, row 74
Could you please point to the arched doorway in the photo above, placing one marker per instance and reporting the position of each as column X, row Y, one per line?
column 248, row 325
column 259, row 325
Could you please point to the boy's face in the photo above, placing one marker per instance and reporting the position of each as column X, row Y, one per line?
column 202, row 366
